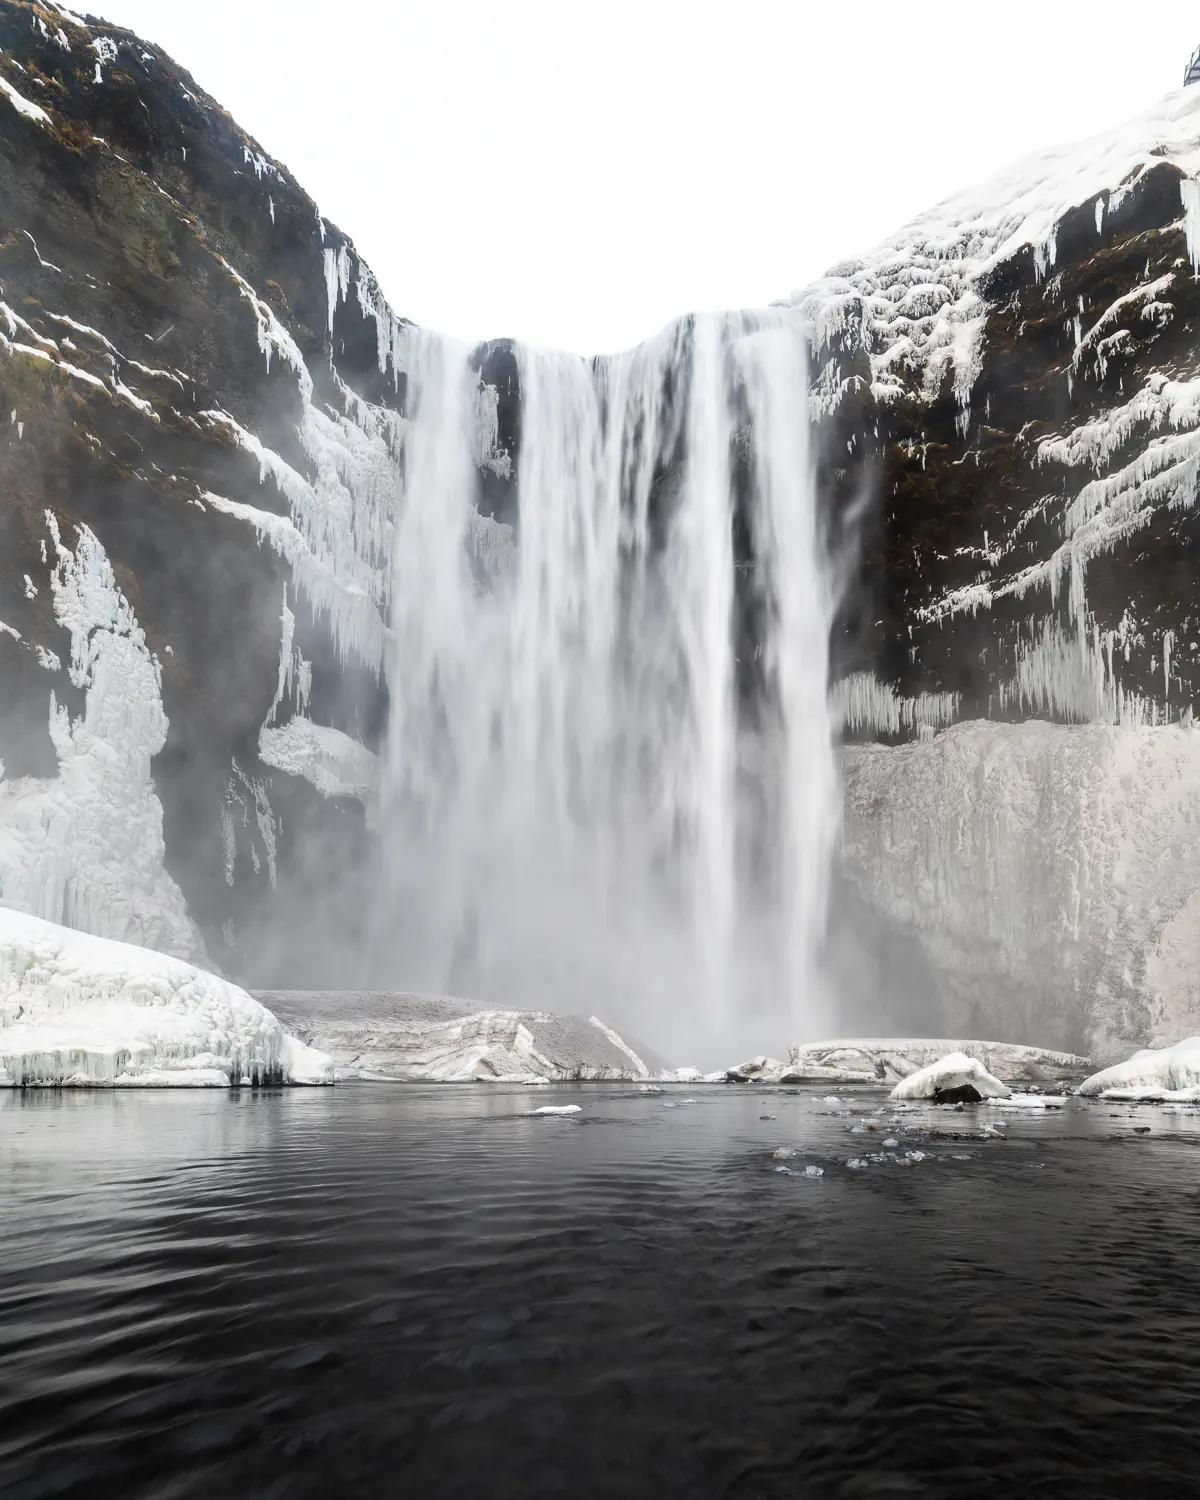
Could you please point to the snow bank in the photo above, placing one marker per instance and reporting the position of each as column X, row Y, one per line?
column 1171, row 1073
column 83, row 1010
column 1051, row 874
column 949, row 1075
column 438, row 1039
column 871, row 1060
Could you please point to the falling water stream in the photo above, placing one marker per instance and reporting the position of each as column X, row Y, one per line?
column 610, row 783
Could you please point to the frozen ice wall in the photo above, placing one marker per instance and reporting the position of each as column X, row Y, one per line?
column 610, row 779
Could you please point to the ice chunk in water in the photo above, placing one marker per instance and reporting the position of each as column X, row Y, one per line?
column 558, row 1109
column 814, row 1171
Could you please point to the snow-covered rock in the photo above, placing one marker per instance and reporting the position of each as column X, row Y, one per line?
column 756, row 1070
column 886, row 1060
column 1170, row 1073
column 82, row 1010
column 919, row 301
column 428, row 1038
column 953, row 1077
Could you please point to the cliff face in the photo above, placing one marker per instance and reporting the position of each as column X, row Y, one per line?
column 1013, row 382
column 202, row 417
column 201, row 409
column 1013, row 378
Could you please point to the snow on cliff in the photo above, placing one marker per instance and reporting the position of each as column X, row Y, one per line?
column 914, row 303
column 86, row 847
column 82, row 1010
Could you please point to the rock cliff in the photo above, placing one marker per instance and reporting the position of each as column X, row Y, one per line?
column 202, row 414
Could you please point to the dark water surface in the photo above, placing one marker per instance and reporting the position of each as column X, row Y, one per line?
column 378, row 1290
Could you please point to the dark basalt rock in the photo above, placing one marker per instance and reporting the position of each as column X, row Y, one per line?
column 925, row 497
column 966, row 1093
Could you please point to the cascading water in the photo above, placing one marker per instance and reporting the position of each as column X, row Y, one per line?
column 610, row 782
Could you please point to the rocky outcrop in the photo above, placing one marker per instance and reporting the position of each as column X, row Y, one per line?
column 1013, row 386
column 1010, row 384
column 201, row 402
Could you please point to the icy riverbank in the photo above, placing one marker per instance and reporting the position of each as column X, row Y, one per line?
column 437, row 1039
column 78, row 1010
column 890, row 1059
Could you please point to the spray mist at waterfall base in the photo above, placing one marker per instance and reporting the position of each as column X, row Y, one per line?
column 610, row 784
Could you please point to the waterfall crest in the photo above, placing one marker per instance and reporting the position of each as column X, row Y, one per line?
column 610, row 781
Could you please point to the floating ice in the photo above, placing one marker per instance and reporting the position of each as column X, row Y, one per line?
column 950, row 1075
column 83, row 1010
column 558, row 1109
column 811, row 1171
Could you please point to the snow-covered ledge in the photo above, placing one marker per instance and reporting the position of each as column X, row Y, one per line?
column 86, row 1011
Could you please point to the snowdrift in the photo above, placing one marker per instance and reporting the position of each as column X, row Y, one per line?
column 79, row 1010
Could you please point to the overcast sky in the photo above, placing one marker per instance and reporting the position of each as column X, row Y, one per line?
column 577, row 173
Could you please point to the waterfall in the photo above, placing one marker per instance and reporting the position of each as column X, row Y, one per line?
column 610, row 783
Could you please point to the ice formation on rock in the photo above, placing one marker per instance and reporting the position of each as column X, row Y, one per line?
column 915, row 303
column 955, row 1074
column 82, row 1010
column 1170, row 1073
column 1045, row 870
column 334, row 763
column 436, row 1039
column 887, row 1060
column 86, row 847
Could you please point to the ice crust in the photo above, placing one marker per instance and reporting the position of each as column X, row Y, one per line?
column 890, row 1059
column 955, row 1071
column 428, row 1038
column 1051, row 874
column 79, row 1010
column 1166, row 1073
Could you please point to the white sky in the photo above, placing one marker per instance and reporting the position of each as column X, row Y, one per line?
column 576, row 173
